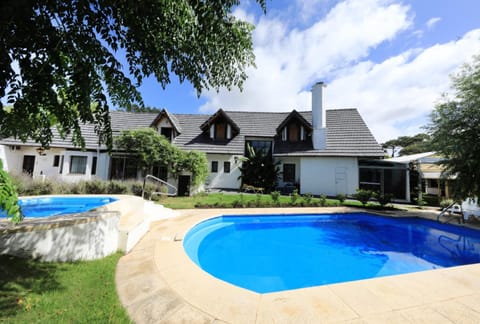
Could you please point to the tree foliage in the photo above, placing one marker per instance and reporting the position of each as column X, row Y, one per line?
column 455, row 130
column 259, row 170
column 406, row 145
column 150, row 148
column 8, row 197
column 59, row 57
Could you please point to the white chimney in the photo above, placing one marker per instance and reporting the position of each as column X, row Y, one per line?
column 318, row 117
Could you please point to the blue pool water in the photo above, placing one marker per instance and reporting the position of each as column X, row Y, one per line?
column 269, row 253
column 61, row 205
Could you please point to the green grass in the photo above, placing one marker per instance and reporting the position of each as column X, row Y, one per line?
column 229, row 200
column 44, row 292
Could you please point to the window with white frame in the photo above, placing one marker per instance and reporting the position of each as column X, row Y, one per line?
column 78, row 164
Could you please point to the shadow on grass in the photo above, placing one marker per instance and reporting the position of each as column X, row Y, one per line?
column 19, row 277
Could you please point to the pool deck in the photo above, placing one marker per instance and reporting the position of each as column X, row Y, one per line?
column 158, row 283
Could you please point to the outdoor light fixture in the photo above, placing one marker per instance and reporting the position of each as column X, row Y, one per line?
column 41, row 151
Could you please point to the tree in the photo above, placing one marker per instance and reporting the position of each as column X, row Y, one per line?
column 259, row 170
column 455, row 130
column 60, row 66
column 147, row 147
column 406, row 145
column 8, row 197
column 150, row 148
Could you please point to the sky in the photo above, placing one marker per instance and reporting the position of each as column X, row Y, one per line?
column 390, row 59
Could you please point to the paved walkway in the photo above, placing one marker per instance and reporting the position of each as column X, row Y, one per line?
column 157, row 283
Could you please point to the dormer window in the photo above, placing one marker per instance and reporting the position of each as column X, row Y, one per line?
column 166, row 125
column 167, row 132
column 294, row 128
column 221, row 131
column 293, row 132
column 220, row 127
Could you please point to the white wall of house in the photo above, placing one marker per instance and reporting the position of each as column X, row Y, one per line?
column 329, row 175
column 221, row 179
column 44, row 164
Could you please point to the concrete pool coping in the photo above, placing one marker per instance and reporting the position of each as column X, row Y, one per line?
column 157, row 282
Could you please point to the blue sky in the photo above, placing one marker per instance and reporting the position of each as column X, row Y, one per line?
column 391, row 59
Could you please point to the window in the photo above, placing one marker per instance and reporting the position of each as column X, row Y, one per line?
column 56, row 160
column 293, row 132
column 61, row 165
column 167, row 132
column 226, row 167
column 289, row 172
column 78, row 164
column 214, row 167
column 160, row 171
column 94, row 165
column 123, row 168
column 262, row 147
column 220, row 129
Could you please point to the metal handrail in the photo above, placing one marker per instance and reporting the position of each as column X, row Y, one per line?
column 451, row 213
column 169, row 185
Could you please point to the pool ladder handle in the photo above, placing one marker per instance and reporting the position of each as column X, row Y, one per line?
column 451, row 213
column 168, row 185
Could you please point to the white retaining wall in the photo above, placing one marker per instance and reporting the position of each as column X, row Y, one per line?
column 92, row 239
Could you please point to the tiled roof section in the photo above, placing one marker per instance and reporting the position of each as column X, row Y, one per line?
column 347, row 133
column 120, row 121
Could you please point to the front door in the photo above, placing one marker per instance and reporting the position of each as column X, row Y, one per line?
column 28, row 164
column 184, row 185
column 341, row 181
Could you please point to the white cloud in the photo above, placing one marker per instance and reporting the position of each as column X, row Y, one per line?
column 432, row 22
column 393, row 96
column 288, row 61
column 396, row 96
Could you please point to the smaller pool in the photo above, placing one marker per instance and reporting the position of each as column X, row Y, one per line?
column 61, row 205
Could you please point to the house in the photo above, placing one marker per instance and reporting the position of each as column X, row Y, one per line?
column 322, row 151
column 430, row 173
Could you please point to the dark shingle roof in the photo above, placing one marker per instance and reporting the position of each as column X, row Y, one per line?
column 347, row 133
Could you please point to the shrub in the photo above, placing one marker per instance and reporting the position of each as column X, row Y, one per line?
column 323, row 200
column 275, row 196
column 78, row 188
column 117, row 187
column 136, row 188
column 446, row 202
column 308, row 198
column 96, row 187
column 258, row 199
column 37, row 187
column 363, row 196
column 341, row 198
column 384, row 199
column 294, row 196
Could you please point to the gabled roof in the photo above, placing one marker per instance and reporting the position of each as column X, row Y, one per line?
column 220, row 113
column 347, row 133
column 295, row 115
column 173, row 120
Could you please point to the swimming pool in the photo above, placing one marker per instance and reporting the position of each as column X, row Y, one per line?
column 61, row 205
column 269, row 253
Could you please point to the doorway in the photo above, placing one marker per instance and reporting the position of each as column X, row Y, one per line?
column 28, row 164
column 184, row 185
column 341, row 181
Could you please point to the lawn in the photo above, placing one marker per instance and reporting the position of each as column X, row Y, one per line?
column 47, row 292
column 229, row 200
